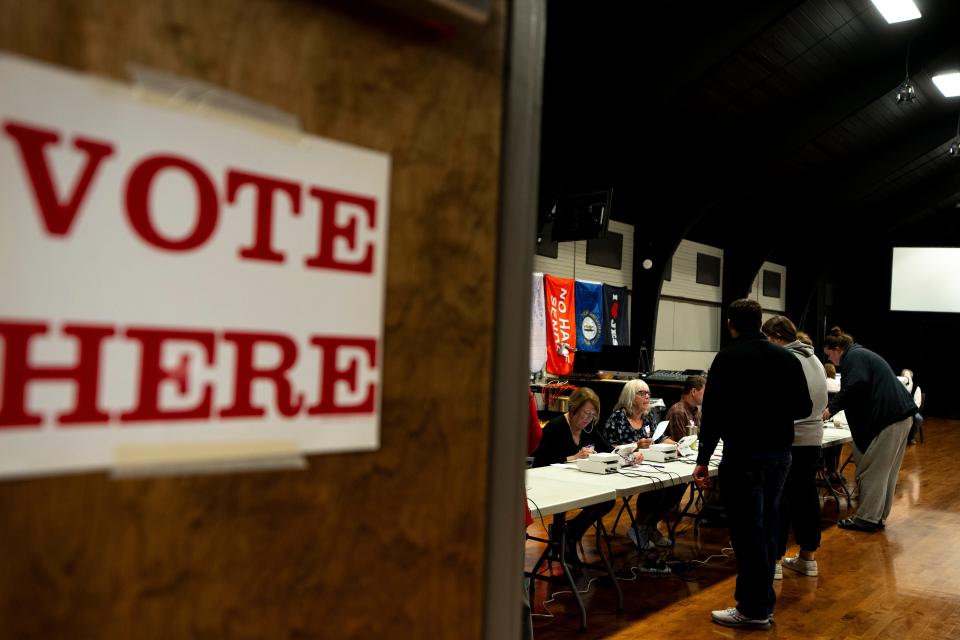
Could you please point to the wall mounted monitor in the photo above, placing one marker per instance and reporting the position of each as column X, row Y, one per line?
column 546, row 245
column 584, row 216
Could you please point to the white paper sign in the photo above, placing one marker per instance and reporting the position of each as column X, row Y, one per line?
column 175, row 275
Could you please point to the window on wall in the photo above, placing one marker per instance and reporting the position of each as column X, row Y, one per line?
column 771, row 284
column 606, row 251
column 708, row 269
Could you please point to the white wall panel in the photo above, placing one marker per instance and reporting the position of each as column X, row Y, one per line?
column 687, row 326
column 680, row 360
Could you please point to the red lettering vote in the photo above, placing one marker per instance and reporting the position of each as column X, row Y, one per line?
column 60, row 213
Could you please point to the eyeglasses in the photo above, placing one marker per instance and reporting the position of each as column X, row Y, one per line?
column 643, row 394
column 588, row 414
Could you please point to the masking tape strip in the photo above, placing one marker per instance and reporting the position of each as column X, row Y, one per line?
column 139, row 460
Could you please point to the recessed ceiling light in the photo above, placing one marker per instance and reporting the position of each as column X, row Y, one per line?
column 948, row 83
column 897, row 10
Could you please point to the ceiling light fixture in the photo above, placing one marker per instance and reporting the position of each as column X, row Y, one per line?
column 897, row 10
column 907, row 92
column 948, row 83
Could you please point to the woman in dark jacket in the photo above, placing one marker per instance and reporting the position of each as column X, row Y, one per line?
column 880, row 412
column 568, row 437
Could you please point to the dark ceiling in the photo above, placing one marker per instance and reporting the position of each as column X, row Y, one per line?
column 735, row 122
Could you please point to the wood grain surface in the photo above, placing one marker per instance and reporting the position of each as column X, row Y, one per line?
column 386, row 544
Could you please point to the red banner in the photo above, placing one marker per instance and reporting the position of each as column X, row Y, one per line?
column 561, row 329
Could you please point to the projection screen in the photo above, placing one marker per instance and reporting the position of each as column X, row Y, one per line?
column 925, row 279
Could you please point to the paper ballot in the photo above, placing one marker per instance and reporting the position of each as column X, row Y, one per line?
column 660, row 430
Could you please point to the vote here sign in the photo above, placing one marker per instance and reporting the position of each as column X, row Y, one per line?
column 175, row 274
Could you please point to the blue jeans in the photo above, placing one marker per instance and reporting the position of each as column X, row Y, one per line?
column 750, row 488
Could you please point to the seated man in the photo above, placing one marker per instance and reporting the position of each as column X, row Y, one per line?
column 686, row 413
column 680, row 417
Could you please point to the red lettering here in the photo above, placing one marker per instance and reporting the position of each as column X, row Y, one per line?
column 18, row 372
column 331, row 375
column 246, row 373
column 152, row 374
column 57, row 215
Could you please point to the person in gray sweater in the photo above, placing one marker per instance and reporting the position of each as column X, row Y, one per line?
column 800, row 502
column 880, row 412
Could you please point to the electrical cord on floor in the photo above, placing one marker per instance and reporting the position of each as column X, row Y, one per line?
column 583, row 591
column 726, row 553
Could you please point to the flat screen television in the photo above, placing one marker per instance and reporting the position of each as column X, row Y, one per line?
column 583, row 216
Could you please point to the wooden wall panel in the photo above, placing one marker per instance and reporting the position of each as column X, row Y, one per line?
column 387, row 543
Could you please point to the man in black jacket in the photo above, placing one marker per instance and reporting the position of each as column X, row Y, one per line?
column 757, row 389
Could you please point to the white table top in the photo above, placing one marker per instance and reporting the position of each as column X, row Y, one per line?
column 559, row 488
column 834, row 437
column 629, row 481
column 546, row 496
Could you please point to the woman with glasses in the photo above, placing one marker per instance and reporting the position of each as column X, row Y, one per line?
column 568, row 437
column 631, row 422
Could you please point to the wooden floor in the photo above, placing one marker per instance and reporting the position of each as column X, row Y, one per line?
column 901, row 583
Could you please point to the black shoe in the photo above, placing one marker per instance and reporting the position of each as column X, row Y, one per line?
column 856, row 524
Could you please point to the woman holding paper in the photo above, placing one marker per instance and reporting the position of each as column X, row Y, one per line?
column 631, row 422
column 570, row 437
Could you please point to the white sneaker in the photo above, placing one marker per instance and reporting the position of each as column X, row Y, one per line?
column 658, row 538
column 778, row 572
column 733, row 618
column 639, row 537
column 798, row 564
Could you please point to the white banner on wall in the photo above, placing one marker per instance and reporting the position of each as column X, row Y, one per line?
column 175, row 275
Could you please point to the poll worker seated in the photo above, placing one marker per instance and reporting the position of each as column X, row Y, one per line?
column 568, row 437
column 681, row 416
column 906, row 377
column 629, row 423
column 684, row 417
column 833, row 385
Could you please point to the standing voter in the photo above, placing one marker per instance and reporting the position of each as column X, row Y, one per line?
column 756, row 453
column 880, row 412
